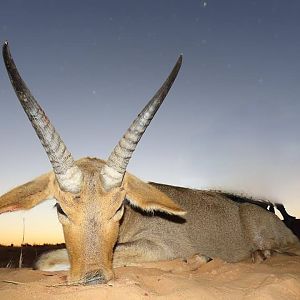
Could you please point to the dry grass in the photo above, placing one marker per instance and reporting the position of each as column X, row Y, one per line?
column 10, row 255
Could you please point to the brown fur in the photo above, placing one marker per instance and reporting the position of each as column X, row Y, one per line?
column 102, row 230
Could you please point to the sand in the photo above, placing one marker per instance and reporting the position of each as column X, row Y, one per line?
column 277, row 278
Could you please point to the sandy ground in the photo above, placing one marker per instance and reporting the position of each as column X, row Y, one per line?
column 276, row 278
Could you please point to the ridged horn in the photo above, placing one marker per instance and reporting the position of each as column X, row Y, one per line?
column 113, row 171
column 68, row 175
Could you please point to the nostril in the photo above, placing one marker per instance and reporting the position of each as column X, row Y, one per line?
column 95, row 277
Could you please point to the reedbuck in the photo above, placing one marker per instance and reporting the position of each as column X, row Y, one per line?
column 112, row 218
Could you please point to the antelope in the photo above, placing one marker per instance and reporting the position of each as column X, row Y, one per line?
column 111, row 218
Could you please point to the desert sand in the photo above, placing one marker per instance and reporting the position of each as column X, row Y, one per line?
column 276, row 278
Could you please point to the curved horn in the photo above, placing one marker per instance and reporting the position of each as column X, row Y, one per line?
column 67, row 173
column 113, row 171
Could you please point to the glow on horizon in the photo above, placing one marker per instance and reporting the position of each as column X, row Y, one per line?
column 41, row 226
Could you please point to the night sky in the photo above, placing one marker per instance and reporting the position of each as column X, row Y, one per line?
column 231, row 120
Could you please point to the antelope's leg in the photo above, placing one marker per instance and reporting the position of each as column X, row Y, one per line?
column 52, row 261
column 138, row 251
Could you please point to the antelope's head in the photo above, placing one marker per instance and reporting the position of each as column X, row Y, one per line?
column 90, row 193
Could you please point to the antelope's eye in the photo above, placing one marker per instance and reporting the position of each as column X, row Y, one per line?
column 60, row 210
column 62, row 216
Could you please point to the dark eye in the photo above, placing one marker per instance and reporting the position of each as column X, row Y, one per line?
column 120, row 208
column 60, row 210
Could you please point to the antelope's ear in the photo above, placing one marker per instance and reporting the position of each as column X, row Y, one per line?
column 149, row 198
column 28, row 195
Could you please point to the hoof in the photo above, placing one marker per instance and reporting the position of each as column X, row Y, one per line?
column 197, row 261
column 259, row 256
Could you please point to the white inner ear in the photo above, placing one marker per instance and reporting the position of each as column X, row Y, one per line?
column 149, row 209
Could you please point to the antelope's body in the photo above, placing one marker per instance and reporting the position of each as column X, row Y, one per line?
column 110, row 217
column 214, row 226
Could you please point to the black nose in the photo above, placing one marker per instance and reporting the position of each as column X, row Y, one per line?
column 94, row 277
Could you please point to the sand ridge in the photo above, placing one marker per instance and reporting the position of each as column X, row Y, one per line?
column 276, row 278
